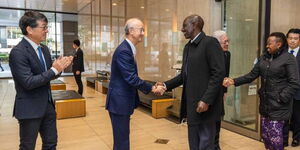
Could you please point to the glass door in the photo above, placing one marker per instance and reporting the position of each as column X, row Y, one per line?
column 241, row 103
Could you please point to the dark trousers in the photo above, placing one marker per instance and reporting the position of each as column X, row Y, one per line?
column 202, row 136
column 1, row 67
column 79, row 83
column 295, row 123
column 46, row 126
column 121, row 130
column 217, row 137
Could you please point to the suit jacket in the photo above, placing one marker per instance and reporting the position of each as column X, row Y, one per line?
column 31, row 83
column 78, row 61
column 297, row 95
column 203, row 71
column 122, row 97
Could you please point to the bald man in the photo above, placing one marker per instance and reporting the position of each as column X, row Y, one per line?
column 122, row 97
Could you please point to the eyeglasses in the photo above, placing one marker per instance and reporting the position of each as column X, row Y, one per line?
column 44, row 27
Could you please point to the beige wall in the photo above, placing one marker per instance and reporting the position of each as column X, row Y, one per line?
column 284, row 15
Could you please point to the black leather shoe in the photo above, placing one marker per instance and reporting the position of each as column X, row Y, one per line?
column 295, row 143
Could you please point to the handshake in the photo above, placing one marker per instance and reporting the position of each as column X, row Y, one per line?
column 228, row 81
column 159, row 88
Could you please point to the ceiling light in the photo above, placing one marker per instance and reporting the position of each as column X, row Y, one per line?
column 142, row 7
column 114, row 4
column 167, row 10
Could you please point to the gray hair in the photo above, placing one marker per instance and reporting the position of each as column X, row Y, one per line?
column 218, row 34
column 130, row 23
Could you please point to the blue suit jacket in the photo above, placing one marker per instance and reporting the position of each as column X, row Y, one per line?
column 297, row 95
column 122, row 97
column 31, row 84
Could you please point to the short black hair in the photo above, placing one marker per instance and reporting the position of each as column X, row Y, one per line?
column 76, row 42
column 293, row 30
column 30, row 18
column 280, row 38
column 196, row 19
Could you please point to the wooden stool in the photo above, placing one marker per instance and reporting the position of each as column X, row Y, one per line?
column 68, row 104
column 159, row 107
column 100, row 88
column 57, row 85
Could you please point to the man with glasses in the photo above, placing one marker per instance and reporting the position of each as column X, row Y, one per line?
column 32, row 70
column 122, row 97
column 223, row 39
column 293, row 39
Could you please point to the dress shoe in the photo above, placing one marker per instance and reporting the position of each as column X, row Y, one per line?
column 295, row 143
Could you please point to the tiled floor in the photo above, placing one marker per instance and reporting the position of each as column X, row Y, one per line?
column 93, row 132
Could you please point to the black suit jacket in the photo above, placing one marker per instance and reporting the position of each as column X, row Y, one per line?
column 31, row 83
column 297, row 95
column 203, row 71
column 78, row 61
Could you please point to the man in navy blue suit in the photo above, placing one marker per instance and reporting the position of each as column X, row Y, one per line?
column 32, row 69
column 122, row 97
column 293, row 38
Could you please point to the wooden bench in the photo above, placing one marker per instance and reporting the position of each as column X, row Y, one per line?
column 57, row 85
column 101, row 86
column 159, row 107
column 68, row 104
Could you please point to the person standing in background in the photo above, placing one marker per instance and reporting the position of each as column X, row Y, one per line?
column 293, row 39
column 78, row 65
column 223, row 39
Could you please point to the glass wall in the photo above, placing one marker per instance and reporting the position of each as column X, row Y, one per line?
column 62, row 31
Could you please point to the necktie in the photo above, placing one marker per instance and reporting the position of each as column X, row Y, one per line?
column 41, row 59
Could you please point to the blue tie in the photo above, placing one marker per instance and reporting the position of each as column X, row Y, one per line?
column 44, row 69
column 41, row 59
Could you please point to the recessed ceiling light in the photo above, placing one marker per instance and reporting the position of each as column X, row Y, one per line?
column 167, row 10
column 114, row 4
column 142, row 7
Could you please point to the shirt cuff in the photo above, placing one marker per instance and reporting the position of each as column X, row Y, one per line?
column 54, row 70
column 165, row 86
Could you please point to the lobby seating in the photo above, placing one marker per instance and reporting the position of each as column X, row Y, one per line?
column 69, row 104
column 57, row 85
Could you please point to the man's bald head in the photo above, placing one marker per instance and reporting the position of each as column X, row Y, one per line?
column 132, row 23
column 134, row 30
column 196, row 20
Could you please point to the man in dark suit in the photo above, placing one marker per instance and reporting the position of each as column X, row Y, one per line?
column 78, row 66
column 222, row 37
column 202, row 73
column 293, row 38
column 122, row 96
column 32, row 71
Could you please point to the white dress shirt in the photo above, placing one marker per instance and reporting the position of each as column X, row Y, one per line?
column 35, row 47
column 132, row 47
column 296, row 50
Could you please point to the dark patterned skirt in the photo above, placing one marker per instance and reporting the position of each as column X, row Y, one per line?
column 272, row 133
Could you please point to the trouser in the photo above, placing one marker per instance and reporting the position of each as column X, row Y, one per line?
column 46, row 126
column 202, row 136
column 217, row 137
column 79, row 82
column 121, row 131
